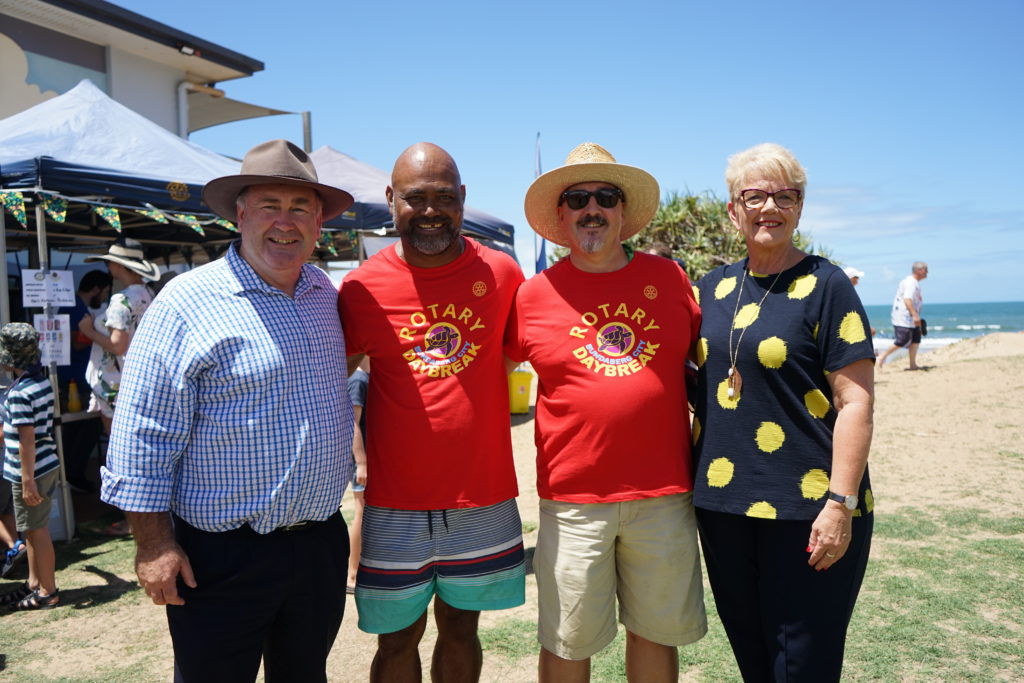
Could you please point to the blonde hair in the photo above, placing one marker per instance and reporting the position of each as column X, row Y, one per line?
column 765, row 160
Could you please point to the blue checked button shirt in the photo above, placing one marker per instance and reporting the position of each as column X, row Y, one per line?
column 233, row 406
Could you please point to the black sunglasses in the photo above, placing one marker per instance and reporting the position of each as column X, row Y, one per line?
column 607, row 198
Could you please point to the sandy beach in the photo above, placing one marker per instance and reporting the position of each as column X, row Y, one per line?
column 948, row 435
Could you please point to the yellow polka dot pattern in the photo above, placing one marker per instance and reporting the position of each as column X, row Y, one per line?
column 747, row 315
column 725, row 287
column 720, row 472
column 814, row 484
column 851, row 329
column 695, row 430
column 772, row 352
column 869, row 500
column 702, row 351
column 770, row 437
column 814, row 334
column 802, row 286
column 696, row 293
column 762, row 510
column 817, row 403
column 723, row 396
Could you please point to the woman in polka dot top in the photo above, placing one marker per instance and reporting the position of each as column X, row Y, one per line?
column 782, row 432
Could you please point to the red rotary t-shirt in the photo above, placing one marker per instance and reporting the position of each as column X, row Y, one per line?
column 437, row 411
column 609, row 352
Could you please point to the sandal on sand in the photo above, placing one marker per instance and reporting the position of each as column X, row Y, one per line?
column 37, row 601
column 16, row 595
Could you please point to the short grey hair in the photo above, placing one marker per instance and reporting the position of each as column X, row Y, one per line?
column 767, row 160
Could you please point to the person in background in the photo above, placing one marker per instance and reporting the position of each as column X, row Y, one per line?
column 663, row 250
column 13, row 547
column 81, row 436
column 230, row 450
column 30, row 462
column 608, row 332
column 111, row 334
column 906, row 315
column 358, row 382
column 782, row 431
column 855, row 276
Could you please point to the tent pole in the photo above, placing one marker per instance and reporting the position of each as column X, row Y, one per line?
column 68, row 510
column 307, row 132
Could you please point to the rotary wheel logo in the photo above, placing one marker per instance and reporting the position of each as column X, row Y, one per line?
column 442, row 340
column 615, row 339
column 178, row 191
column 651, row 292
column 479, row 288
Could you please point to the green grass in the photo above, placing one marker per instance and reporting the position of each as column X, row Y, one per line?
column 942, row 601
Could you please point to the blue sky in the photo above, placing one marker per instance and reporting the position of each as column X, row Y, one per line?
column 907, row 115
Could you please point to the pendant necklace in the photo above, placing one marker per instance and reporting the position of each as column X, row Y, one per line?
column 734, row 378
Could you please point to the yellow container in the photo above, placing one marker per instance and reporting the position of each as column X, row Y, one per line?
column 519, row 391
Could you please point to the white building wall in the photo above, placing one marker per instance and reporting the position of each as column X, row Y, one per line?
column 144, row 86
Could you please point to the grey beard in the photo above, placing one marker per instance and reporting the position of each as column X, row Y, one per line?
column 592, row 243
column 431, row 245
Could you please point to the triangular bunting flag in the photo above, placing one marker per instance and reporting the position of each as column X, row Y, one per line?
column 191, row 221
column 14, row 204
column 55, row 207
column 224, row 223
column 110, row 215
column 153, row 214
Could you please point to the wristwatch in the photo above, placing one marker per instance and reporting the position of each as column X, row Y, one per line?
column 849, row 501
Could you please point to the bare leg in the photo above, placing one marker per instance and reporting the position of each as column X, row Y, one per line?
column 458, row 656
column 881, row 359
column 355, row 537
column 649, row 661
column 554, row 669
column 397, row 659
column 8, row 531
column 41, row 561
column 913, row 356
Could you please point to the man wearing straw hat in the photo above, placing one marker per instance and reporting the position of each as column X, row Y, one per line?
column 230, row 448
column 110, row 339
column 441, row 522
column 608, row 331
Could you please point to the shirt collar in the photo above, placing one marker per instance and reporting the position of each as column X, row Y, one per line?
column 249, row 280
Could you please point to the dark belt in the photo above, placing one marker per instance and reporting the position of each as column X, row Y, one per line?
column 298, row 525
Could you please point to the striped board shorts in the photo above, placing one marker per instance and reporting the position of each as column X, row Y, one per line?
column 472, row 558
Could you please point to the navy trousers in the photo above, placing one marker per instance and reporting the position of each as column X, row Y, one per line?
column 785, row 621
column 277, row 596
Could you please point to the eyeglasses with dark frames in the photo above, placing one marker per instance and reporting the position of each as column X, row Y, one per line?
column 784, row 199
column 607, row 198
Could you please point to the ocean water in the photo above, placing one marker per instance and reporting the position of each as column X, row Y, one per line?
column 949, row 323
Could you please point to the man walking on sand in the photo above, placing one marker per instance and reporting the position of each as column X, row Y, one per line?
column 608, row 332
column 230, row 447
column 906, row 315
column 441, row 520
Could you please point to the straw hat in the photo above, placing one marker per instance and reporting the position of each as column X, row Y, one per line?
column 130, row 255
column 588, row 163
column 277, row 162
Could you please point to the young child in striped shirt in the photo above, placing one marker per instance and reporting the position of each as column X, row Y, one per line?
column 30, row 462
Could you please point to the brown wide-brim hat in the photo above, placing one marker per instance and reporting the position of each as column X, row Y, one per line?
column 129, row 254
column 277, row 162
column 590, row 163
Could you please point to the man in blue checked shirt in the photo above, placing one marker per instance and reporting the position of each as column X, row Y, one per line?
column 230, row 444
